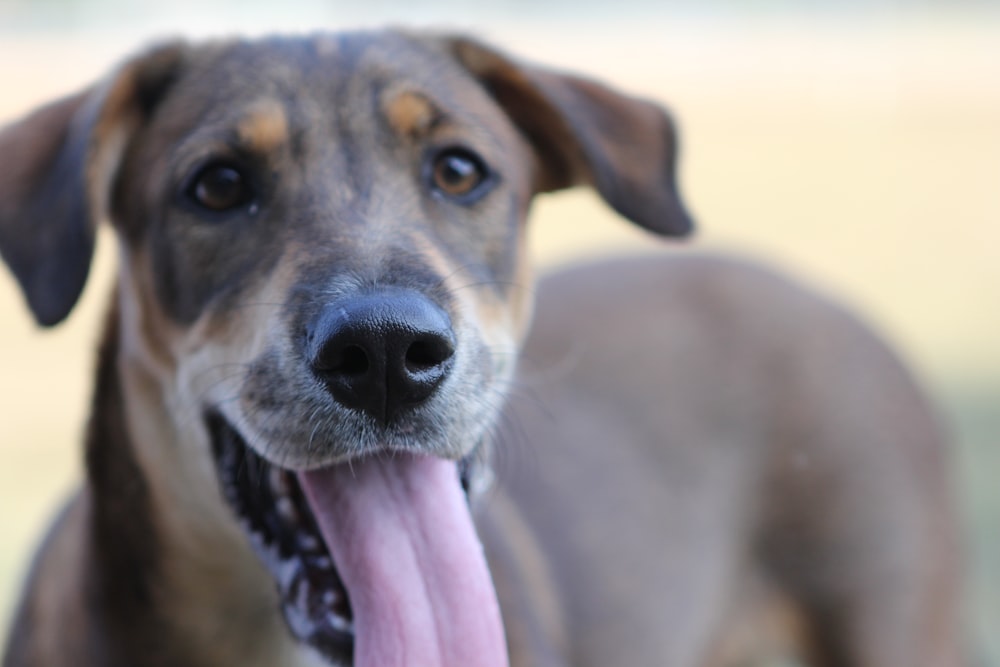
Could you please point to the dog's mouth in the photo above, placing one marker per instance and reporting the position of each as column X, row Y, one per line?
column 275, row 514
column 376, row 561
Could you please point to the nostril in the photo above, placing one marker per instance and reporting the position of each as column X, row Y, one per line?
column 428, row 353
column 354, row 361
column 343, row 360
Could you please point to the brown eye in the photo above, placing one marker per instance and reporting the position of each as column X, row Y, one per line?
column 459, row 174
column 220, row 187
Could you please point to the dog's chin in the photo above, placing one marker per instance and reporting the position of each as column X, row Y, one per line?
column 276, row 515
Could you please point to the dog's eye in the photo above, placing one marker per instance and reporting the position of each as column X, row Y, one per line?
column 220, row 187
column 459, row 174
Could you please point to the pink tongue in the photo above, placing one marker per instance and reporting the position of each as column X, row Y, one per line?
column 402, row 538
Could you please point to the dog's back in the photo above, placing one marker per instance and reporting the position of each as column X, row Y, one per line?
column 710, row 455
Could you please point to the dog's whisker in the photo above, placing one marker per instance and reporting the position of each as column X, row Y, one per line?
column 494, row 283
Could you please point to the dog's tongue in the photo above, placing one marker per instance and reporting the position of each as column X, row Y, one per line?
column 401, row 535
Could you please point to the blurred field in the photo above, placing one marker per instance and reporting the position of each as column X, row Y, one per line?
column 862, row 155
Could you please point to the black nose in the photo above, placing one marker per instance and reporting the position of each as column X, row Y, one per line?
column 382, row 351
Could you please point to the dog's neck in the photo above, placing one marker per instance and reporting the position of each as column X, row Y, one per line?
column 124, row 556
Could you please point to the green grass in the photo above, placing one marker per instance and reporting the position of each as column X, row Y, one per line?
column 975, row 413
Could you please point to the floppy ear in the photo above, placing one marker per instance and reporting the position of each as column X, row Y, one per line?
column 585, row 133
column 59, row 164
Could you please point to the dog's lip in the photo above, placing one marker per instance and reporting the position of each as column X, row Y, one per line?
column 467, row 463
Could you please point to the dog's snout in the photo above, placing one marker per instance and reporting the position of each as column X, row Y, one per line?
column 382, row 352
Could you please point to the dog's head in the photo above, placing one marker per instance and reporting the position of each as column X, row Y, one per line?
column 323, row 285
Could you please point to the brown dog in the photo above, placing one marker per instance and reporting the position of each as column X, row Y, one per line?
column 322, row 294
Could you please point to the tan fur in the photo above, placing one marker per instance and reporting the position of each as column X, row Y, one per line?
column 265, row 127
column 409, row 114
column 762, row 621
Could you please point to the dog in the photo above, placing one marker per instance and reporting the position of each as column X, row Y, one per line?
column 323, row 434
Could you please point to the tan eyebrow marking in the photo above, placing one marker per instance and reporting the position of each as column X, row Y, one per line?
column 410, row 114
column 265, row 127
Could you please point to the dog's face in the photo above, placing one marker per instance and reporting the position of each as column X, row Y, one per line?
column 281, row 196
column 322, row 266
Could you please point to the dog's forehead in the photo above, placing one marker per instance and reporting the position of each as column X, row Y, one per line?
column 327, row 130
column 306, row 78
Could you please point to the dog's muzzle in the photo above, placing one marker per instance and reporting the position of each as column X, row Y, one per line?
column 375, row 557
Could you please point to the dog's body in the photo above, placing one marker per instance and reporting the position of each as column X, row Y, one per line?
column 719, row 464
column 322, row 293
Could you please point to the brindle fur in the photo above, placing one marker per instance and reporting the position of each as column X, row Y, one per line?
column 713, row 444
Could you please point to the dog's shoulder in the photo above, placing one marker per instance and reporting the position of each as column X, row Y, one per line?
column 51, row 626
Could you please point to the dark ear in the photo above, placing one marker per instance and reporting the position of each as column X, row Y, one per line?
column 59, row 164
column 585, row 133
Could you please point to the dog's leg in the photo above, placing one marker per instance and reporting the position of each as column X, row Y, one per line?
column 860, row 523
column 533, row 616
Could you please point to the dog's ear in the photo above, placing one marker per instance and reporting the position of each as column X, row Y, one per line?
column 585, row 133
column 59, row 165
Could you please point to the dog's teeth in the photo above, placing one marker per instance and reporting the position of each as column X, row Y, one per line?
column 286, row 509
column 302, row 594
column 340, row 623
column 307, row 542
column 287, row 571
column 298, row 620
column 322, row 563
column 330, row 598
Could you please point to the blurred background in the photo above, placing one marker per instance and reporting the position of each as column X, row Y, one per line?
column 854, row 143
